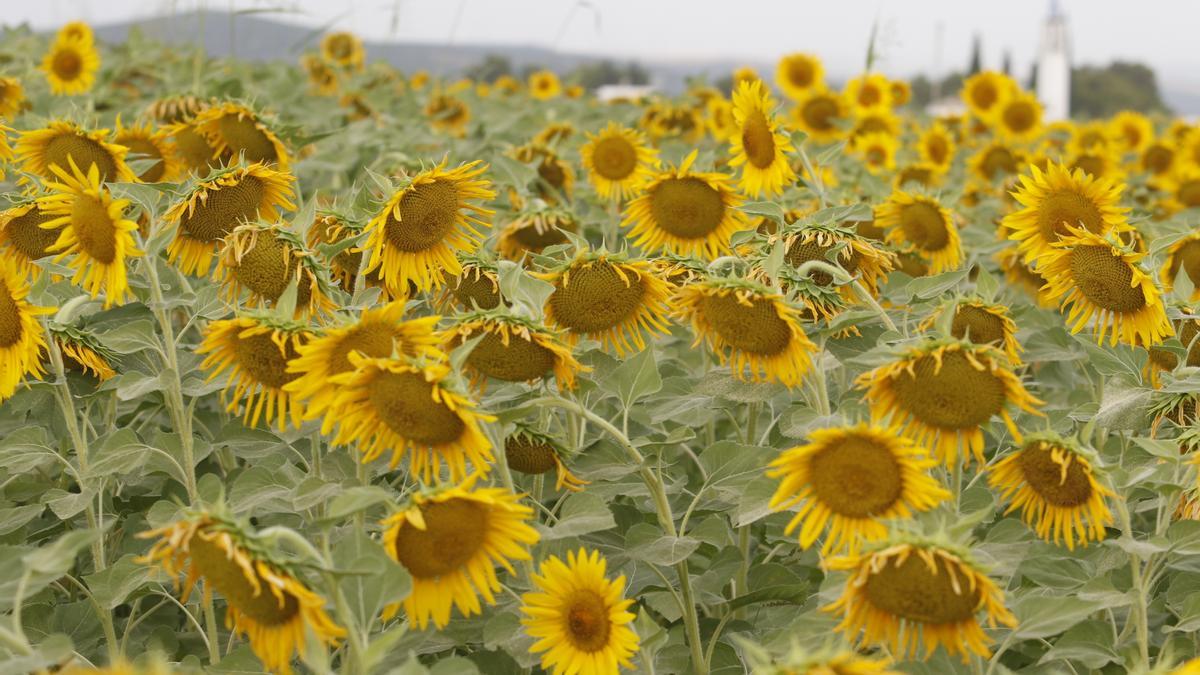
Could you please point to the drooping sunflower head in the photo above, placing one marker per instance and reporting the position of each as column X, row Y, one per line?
column 747, row 325
column 820, row 113
column 535, row 229
column 979, row 322
column 235, row 131
column 1182, row 188
column 828, row 660
column 415, row 235
column 406, row 406
column 264, row 260
column 22, row 338
column 22, row 237
column 1055, row 482
column 93, row 232
column 60, row 142
column 1103, row 279
column 266, row 600
column 920, row 223
column 173, row 109
column 476, row 287
column 576, row 614
column 618, row 161
column 322, row 78
column 512, row 348
column 1058, row 198
column 718, row 117
column 82, row 352
column 1018, row 116
column 70, row 65
column 905, row 591
column 343, row 49
column 983, row 92
column 877, row 150
column 1162, row 359
column 554, row 133
column 534, row 453
column 940, row 393
column 1182, row 256
column 937, row 145
column 853, row 479
column 1132, row 130
column 869, row 91
column 686, row 212
column 544, row 85
column 333, row 229
column 12, row 97
column 1021, row 275
column 213, row 207
column 449, row 114
column 147, row 143
column 195, row 150
column 254, row 350
column 797, row 73
column 607, row 297
column 664, row 120
column 832, row 244
column 760, row 146
column 555, row 179
column 997, row 164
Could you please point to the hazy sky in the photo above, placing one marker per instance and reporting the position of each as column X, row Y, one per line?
column 1158, row 32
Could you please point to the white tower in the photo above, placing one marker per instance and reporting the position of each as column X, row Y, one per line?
column 1054, row 66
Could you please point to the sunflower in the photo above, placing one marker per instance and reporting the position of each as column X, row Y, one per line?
column 901, row 92
column 748, row 326
column 852, row 478
column 663, row 120
column 1018, row 117
column 71, row 65
column 255, row 349
column 1017, row 273
column 555, row 177
column 1052, row 480
column 797, row 73
column 334, row 229
column 609, row 298
column 173, row 109
column 264, row 260
column 22, row 337
column 533, row 230
column 343, row 49
column 400, row 404
column 849, row 250
column 12, row 97
column 759, row 146
column 534, row 453
column 877, row 121
column 1164, row 360
column 828, row 660
column 76, row 30
column 554, row 133
column 1132, row 130
column 146, row 142
column 878, row 151
column 1158, row 159
column 506, row 85
column 820, row 114
column 1099, row 162
column 718, row 118
column 414, row 236
column 997, row 164
column 618, row 161
column 198, row 154
column 937, row 145
column 983, row 92
column 940, row 393
column 477, row 287
column 217, row 205
column 450, row 540
column 579, row 617
column 1097, row 277
column 1182, row 256
column 512, row 348
column 982, row 323
column 449, row 114
column 265, row 599
column 40, row 149
column 1182, row 188
column 922, row 175
column 902, row 593
column 869, row 92
column 921, row 224
column 1059, row 198
column 321, row 77
column 686, row 212
column 83, row 352
column 22, row 237
column 93, row 230
column 544, row 85
column 234, row 131
column 418, row 80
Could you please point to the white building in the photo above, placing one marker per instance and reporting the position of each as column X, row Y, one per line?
column 1054, row 66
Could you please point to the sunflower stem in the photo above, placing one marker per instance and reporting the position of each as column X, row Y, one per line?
column 817, row 183
column 1139, row 615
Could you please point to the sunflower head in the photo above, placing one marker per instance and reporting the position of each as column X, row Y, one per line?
column 1131, row 130
column 608, row 297
column 343, row 50
column 147, row 143
column 1102, row 279
column 877, row 150
column 322, row 77
column 1018, row 116
column 576, row 614
column 686, row 212
column 235, row 131
column 828, row 660
column 838, row 245
column 937, row 145
column 1057, row 199
column 449, row 114
column 82, row 352
column 213, row 207
column 941, row 392
column 534, row 453
column 618, row 161
column 512, row 348
column 979, row 322
column 820, row 113
column 22, row 237
column 877, row 121
column 853, row 479
column 869, row 92
column 544, row 85
column 12, row 97
column 535, row 229
column 22, row 338
column 266, row 600
column 983, row 92
column 71, row 64
column 334, row 229
column 1183, row 257
column 718, row 117
column 1057, row 486
column 919, row 223
column 1158, row 159
column 759, row 146
column 1182, row 188
column 555, row 181
column 264, row 260
column 1099, row 162
column 906, row 590
column 61, row 142
column 797, row 73
column 997, row 164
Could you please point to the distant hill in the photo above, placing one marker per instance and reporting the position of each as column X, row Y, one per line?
column 261, row 38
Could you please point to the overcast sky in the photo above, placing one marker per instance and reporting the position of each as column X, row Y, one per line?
column 1160, row 33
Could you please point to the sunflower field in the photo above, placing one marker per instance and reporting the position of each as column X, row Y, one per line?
column 333, row 368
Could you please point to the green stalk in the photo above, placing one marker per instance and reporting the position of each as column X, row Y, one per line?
column 1140, row 614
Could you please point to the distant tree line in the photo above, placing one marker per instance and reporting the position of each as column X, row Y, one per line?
column 589, row 75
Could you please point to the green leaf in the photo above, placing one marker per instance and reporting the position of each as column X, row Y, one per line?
column 1041, row 616
column 646, row 542
column 582, row 513
column 520, row 287
column 635, row 378
column 1124, row 408
column 130, row 337
column 13, row 518
column 931, row 287
column 1090, row 643
column 371, row 579
column 770, row 210
column 113, row 585
column 355, row 499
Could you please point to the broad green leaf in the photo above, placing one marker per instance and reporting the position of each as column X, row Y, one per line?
column 370, row 579
column 647, row 543
column 582, row 513
column 635, row 378
column 116, row 582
